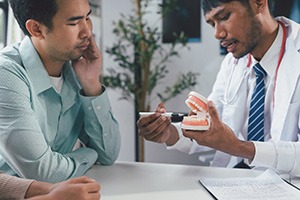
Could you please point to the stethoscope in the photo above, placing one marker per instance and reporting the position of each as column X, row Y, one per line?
column 281, row 54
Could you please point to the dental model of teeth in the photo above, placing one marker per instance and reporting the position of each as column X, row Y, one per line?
column 198, row 104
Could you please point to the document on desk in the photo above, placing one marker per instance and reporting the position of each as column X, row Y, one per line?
column 267, row 186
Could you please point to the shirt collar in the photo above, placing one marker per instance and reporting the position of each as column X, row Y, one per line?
column 37, row 72
column 34, row 66
column 270, row 60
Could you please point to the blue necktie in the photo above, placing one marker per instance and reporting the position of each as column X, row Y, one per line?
column 256, row 112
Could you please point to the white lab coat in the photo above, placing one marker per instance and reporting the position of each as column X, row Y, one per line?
column 230, row 96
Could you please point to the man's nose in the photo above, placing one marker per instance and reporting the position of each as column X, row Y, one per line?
column 86, row 30
column 220, row 32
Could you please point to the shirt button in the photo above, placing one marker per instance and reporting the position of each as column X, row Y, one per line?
column 98, row 107
column 89, row 107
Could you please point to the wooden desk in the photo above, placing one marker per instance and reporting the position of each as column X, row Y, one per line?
column 143, row 181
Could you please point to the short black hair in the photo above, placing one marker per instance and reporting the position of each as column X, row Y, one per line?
column 42, row 11
column 208, row 5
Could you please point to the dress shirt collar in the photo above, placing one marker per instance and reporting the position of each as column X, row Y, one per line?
column 34, row 66
column 270, row 60
column 37, row 72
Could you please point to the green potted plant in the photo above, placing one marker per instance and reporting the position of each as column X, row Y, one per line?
column 142, row 59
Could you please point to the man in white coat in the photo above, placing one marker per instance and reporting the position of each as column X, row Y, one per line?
column 251, row 35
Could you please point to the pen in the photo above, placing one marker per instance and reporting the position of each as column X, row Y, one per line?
column 175, row 117
column 167, row 114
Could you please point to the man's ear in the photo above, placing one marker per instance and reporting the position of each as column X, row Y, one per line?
column 260, row 4
column 35, row 28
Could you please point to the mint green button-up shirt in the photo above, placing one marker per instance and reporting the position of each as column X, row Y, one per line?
column 39, row 126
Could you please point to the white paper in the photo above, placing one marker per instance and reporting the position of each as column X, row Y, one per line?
column 267, row 186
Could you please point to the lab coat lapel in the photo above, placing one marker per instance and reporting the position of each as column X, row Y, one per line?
column 238, row 75
column 237, row 93
column 287, row 78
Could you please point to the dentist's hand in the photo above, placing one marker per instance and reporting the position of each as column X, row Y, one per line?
column 158, row 128
column 220, row 137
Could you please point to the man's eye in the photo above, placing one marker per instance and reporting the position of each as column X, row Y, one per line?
column 224, row 18
column 73, row 24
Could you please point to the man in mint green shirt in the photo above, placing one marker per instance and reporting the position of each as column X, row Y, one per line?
column 51, row 95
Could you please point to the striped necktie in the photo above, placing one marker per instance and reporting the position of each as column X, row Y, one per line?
column 257, row 104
